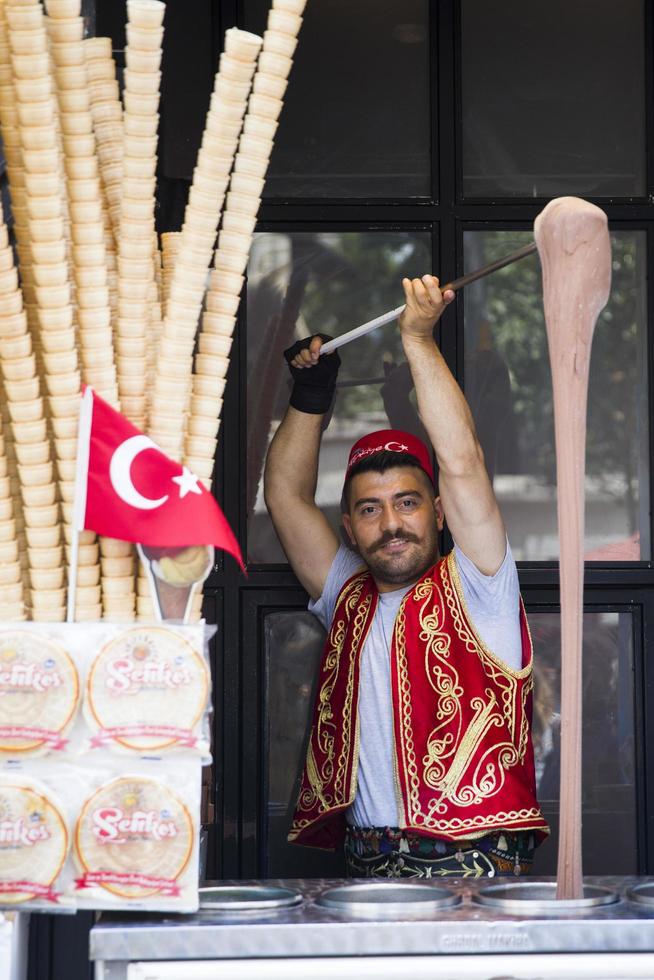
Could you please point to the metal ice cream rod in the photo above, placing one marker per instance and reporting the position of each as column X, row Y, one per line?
column 380, row 321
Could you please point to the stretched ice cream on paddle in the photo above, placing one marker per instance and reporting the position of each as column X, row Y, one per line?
column 575, row 253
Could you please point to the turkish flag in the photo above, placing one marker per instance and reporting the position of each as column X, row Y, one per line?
column 135, row 492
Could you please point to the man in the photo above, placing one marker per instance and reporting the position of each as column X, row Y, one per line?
column 420, row 754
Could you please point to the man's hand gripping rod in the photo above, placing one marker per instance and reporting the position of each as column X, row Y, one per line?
column 379, row 321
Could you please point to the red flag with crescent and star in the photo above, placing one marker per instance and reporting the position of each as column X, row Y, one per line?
column 136, row 493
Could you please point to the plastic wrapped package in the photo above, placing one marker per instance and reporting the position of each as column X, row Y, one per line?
column 103, row 734
column 144, row 689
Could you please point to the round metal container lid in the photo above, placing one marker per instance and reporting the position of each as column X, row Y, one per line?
column 244, row 898
column 387, row 899
column 532, row 898
column 643, row 893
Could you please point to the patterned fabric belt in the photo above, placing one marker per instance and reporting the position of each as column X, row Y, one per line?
column 386, row 852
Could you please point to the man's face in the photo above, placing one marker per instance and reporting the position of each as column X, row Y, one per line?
column 394, row 520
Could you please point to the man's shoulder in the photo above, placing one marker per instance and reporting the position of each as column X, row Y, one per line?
column 345, row 565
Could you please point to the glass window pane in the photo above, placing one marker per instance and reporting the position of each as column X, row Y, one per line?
column 293, row 643
column 325, row 282
column 608, row 754
column 508, row 385
column 356, row 120
column 553, row 98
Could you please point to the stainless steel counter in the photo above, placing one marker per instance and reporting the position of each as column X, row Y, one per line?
column 309, row 930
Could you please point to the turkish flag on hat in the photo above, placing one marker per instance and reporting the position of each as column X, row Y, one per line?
column 135, row 492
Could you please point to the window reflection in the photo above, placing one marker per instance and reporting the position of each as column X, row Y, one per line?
column 508, row 386
column 608, row 776
column 325, row 282
column 538, row 99
column 293, row 643
column 356, row 118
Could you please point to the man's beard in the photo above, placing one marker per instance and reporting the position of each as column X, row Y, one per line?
column 402, row 568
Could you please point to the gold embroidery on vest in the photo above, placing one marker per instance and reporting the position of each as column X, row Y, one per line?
column 489, row 773
column 410, row 767
column 307, row 799
column 325, row 727
column 484, row 719
column 505, row 678
column 343, row 793
column 444, row 680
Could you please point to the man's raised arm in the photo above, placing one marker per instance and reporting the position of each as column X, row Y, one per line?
column 291, row 469
column 469, row 503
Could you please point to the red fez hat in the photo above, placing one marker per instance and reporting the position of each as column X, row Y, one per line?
column 392, row 441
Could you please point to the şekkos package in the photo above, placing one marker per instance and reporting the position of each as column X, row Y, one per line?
column 145, row 688
column 34, row 841
column 100, row 832
column 95, row 811
column 148, row 690
column 39, row 691
column 136, row 841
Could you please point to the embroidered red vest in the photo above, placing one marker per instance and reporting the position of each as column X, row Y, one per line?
column 464, row 763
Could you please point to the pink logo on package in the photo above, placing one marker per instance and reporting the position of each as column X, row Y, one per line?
column 22, row 675
column 126, row 677
column 111, row 825
column 19, row 832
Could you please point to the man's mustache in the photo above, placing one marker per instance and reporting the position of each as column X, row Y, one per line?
column 397, row 536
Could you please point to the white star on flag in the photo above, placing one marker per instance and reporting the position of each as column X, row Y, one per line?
column 187, row 482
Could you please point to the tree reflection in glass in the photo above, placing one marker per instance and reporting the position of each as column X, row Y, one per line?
column 507, row 382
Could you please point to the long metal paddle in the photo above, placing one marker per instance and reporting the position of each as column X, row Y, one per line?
column 379, row 321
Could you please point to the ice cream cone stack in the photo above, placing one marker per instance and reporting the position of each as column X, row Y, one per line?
column 135, row 245
column 170, row 244
column 12, row 114
column 237, row 228
column 89, row 265
column 99, row 302
column 12, row 595
column 90, row 258
column 187, row 286
column 10, row 469
column 107, row 113
column 155, row 324
column 34, row 462
column 45, row 202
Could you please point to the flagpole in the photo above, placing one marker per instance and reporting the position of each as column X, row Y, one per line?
column 79, row 494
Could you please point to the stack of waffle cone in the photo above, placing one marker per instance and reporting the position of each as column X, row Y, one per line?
column 12, row 114
column 107, row 113
column 235, row 239
column 135, row 247
column 49, row 286
column 81, row 178
column 224, row 121
column 12, row 605
column 12, row 473
column 38, row 503
column 12, row 534
column 91, row 278
column 89, row 256
column 170, row 245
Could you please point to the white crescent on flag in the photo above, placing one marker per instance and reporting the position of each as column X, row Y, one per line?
column 120, row 475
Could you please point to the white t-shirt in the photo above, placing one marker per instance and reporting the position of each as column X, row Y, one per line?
column 493, row 603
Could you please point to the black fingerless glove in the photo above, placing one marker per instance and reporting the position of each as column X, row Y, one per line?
column 313, row 387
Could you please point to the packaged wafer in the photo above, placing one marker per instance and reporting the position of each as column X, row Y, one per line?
column 39, row 692
column 147, row 690
column 136, row 839
column 144, row 689
column 35, row 832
